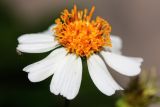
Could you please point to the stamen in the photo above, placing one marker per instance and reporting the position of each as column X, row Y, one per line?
column 75, row 12
column 79, row 34
column 91, row 13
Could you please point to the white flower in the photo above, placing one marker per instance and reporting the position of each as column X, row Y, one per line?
column 65, row 64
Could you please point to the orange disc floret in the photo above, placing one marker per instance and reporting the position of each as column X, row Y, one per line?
column 79, row 34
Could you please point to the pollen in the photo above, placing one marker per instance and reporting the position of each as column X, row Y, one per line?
column 79, row 34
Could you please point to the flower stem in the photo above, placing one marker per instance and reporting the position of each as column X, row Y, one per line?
column 67, row 103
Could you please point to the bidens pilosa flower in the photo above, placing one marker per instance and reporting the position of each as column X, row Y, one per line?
column 78, row 36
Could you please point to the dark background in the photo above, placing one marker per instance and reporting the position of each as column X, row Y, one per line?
column 136, row 22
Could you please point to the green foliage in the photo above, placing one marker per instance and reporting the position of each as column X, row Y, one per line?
column 141, row 92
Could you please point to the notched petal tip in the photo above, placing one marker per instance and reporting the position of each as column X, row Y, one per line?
column 31, row 78
column 18, row 52
column 129, row 66
column 19, row 49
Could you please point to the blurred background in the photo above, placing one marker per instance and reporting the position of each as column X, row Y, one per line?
column 136, row 22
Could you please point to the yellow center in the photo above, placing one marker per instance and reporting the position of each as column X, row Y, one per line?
column 79, row 34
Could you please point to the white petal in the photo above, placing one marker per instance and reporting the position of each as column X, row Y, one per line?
column 35, row 38
column 67, row 79
column 125, row 65
column 101, row 77
column 116, row 41
column 40, row 64
column 50, row 30
column 37, row 48
column 46, row 67
column 116, row 45
column 137, row 59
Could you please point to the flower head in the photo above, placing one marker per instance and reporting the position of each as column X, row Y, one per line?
column 81, row 35
column 78, row 36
